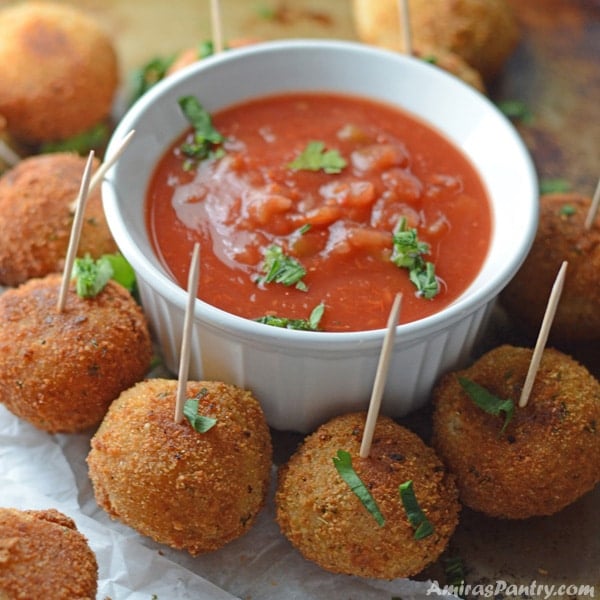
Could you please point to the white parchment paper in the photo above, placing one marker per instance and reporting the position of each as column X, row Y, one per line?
column 39, row 471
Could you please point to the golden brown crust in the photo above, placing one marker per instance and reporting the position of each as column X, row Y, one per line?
column 37, row 199
column 189, row 56
column 454, row 64
column 58, row 71
column 326, row 522
column 42, row 556
column 483, row 32
column 189, row 490
column 549, row 454
column 60, row 371
column 561, row 235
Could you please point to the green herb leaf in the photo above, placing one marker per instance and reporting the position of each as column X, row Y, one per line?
column 316, row 315
column 454, row 570
column 205, row 49
column 123, row 272
column 148, row 75
column 91, row 276
column 206, row 141
column 315, row 158
column 200, row 423
column 554, row 186
column 310, row 324
column 94, row 138
column 415, row 515
column 567, row 210
column 407, row 253
column 343, row 464
column 487, row 401
column 516, row 110
column 280, row 268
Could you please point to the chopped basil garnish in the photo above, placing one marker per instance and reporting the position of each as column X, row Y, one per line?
column 94, row 138
column 554, row 186
column 454, row 570
column 488, row 402
column 123, row 272
column 280, row 268
column 567, row 210
column 155, row 70
column 149, row 75
column 310, row 324
column 206, row 142
column 415, row 515
column 91, row 276
column 343, row 464
column 516, row 110
column 315, row 158
column 200, row 423
column 206, row 48
column 408, row 253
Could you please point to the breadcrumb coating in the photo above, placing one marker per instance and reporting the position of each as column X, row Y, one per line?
column 188, row 490
column 37, row 199
column 60, row 370
column 326, row 521
column 43, row 556
column 561, row 236
column 58, row 71
column 549, row 454
column 483, row 32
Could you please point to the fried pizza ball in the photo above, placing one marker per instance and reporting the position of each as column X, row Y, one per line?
column 483, row 32
column 549, row 453
column 326, row 521
column 454, row 64
column 58, row 71
column 561, row 236
column 37, row 199
column 43, row 556
column 189, row 56
column 60, row 370
column 183, row 488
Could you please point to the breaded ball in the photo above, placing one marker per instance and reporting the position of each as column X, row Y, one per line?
column 454, row 64
column 58, row 71
column 189, row 56
column 322, row 517
column 561, row 236
column 189, row 490
column 549, row 454
column 483, row 32
column 37, row 199
column 43, row 556
column 60, row 370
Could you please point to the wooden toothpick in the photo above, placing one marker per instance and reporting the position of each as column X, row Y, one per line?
column 184, row 359
column 593, row 211
column 80, row 205
column 108, row 163
column 405, row 28
column 543, row 334
column 217, row 31
column 380, row 378
column 8, row 155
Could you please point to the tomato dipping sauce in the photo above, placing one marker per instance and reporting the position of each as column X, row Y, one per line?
column 339, row 226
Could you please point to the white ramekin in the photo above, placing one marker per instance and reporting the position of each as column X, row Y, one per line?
column 303, row 378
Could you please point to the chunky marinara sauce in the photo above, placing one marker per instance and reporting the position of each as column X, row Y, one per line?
column 339, row 226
